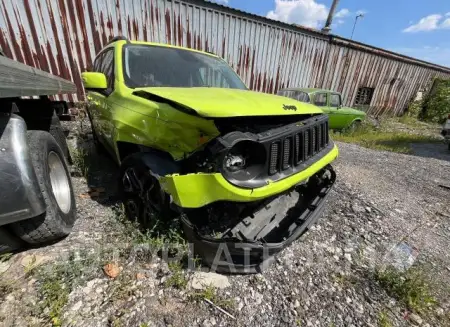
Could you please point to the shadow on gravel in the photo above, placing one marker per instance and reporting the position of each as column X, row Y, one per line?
column 431, row 150
column 100, row 171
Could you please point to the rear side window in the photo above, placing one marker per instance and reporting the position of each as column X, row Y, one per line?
column 104, row 63
column 320, row 99
column 107, row 67
column 97, row 61
column 335, row 100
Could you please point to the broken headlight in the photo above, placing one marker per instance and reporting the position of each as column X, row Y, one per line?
column 245, row 160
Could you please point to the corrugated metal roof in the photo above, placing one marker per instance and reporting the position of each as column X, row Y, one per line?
column 63, row 36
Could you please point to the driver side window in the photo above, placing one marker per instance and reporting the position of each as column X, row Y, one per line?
column 320, row 99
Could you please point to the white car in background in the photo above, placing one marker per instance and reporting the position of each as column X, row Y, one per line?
column 446, row 131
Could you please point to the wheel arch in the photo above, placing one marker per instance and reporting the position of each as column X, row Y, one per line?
column 159, row 162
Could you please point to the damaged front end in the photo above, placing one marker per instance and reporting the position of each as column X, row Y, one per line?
column 245, row 237
column 255, row 189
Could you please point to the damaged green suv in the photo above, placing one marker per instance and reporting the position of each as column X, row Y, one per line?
column 247, row 172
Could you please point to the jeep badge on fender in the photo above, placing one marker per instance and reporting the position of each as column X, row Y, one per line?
column 289, row 107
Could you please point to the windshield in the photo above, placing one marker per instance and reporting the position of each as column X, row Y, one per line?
column 156, row 66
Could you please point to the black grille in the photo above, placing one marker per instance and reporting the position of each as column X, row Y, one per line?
column 293, row 150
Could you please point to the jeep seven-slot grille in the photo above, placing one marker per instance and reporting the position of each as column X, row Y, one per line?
column 293, row 150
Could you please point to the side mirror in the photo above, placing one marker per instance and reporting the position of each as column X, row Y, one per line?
column 94, row 81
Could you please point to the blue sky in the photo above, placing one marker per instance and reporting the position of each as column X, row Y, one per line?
column 416, row 28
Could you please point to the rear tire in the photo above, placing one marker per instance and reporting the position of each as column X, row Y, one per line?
column 56, row 187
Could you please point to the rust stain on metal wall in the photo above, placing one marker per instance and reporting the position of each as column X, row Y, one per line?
column 63, row 37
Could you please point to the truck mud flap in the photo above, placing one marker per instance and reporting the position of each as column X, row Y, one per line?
column 250, row 244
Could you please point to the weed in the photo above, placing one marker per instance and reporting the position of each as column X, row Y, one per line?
column 210, row 293
column 6, row 286
column 5, row 257
column 163, row 236
column 345, row 280
column 80, row 159
column 121, row 287
column 380, row 139
column 57, row 281
column 177, row 279
column 383, row 320
column 409, row 287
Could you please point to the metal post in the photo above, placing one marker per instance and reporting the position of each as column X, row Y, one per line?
column 354, row 25
column 327, row 27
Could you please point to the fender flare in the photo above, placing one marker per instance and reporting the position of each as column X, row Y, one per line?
column 158, row 162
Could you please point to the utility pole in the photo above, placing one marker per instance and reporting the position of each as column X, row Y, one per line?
column 327, row 27
column 354, row 25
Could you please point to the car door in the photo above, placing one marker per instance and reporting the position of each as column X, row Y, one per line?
column 94, row 98
column 98, row 100
column 337, row 116
column 106, row 121
column 321, row 100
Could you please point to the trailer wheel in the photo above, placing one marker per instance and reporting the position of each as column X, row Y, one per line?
column 56, row 187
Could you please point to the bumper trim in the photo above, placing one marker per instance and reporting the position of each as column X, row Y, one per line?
column 198, row 190
column 253, row 257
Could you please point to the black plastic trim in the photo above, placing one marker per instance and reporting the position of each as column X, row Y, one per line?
column 261, row 254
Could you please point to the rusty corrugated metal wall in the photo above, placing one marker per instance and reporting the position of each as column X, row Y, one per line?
column 63, row 36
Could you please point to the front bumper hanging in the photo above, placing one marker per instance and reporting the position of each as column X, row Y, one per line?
column 251, row 244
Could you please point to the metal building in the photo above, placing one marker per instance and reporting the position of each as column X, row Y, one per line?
column 63, row 36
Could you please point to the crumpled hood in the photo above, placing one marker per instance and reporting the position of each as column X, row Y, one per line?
column 223, row 102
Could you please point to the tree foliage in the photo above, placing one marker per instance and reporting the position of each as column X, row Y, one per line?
column 436, row 104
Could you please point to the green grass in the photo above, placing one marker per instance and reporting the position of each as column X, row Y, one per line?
column 383, row 320
column 55, row 282
column 178, row 278
column 81, row 162
column 381, row 139
column 210, row 293
column 412, row 288
column 165, row 234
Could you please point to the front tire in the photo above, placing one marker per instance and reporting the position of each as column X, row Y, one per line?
column 143, row 198
column 354, row 126
column 56, row 187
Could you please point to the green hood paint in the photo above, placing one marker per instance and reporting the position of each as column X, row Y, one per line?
column 221, row 102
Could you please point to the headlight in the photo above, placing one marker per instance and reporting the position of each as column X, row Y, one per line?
column 234, row 162
column 245, row 160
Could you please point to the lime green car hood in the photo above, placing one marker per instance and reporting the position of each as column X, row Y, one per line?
column 223, row 102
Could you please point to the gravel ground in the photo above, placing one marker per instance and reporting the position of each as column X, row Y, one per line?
column 380, row 200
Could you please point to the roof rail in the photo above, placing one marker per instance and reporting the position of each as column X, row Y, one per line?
column 118, row 38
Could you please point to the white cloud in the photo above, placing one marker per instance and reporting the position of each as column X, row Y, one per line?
column 342, row 13
column 428, row 23
column 308, row 13
column 434, row 54
column 446, row 23
column 303, row 12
